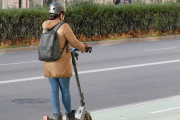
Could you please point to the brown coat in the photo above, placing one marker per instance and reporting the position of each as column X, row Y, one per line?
column 62, row 67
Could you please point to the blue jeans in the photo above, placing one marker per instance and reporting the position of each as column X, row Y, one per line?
column 63, row 84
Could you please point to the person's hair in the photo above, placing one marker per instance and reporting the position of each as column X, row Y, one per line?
column 54, row 16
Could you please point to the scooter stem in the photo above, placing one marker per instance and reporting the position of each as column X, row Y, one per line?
column 82, row 103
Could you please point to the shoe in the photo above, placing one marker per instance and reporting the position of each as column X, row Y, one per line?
column 71, row 116
column 58, row 116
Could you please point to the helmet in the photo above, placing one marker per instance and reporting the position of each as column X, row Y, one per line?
column 56, row 8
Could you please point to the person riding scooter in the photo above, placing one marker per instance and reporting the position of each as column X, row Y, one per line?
column 59, row 72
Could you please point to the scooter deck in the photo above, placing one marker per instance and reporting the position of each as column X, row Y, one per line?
column 48, row 118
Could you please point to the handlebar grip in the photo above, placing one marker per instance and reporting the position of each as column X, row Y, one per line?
column 88, row 49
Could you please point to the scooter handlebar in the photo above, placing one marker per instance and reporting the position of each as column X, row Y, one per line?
column 88, row 50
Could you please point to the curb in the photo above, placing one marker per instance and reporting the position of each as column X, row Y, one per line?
column 4, row 50
column 133, row 40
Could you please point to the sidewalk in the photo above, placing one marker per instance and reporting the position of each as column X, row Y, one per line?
column 164, row 109
column 98, row 42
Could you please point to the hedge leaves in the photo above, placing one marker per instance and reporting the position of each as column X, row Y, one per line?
column 90, row 19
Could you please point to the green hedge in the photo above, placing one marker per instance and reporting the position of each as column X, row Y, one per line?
column 19, row 24
column 89, row 19
column 108, row 19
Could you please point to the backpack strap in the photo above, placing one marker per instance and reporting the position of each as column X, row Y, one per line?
column 55, row 29
column 66, row 45
column 45, row 30
column 57, row 26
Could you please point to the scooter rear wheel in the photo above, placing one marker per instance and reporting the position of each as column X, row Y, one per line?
column 48, row 118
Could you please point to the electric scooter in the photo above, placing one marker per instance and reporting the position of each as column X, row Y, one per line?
column 81, row 114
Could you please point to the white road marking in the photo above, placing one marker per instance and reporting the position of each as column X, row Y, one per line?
column 97, row 70
column 130, row 66
column 21, row 80
column 161, row 49
column 165, row 110
column 135, row 104
column 18, row 63
column 121, row 118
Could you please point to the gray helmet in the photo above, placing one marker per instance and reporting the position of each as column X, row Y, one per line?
column 56, row 8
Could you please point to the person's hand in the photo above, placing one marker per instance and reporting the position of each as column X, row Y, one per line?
column 86, row 45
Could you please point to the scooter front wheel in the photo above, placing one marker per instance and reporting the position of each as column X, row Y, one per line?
column 88, row 118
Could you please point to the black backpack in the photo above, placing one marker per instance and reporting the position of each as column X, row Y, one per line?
column 49, row 45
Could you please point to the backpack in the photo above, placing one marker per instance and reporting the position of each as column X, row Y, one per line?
column 49, row 45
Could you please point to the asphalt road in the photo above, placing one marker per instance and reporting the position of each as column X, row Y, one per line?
column 137, row 72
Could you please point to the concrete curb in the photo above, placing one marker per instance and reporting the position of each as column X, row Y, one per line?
column 4, row 50
column 133, row 40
